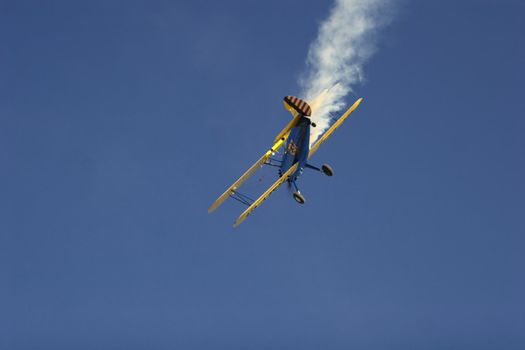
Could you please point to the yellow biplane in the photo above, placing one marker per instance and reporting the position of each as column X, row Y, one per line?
column 296, row 139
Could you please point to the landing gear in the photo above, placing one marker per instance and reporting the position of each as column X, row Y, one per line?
column 327, row 170
column 298, row 197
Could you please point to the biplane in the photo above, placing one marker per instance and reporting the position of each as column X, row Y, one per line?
column 297, row 151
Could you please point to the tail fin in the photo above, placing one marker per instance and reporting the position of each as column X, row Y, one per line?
column 297, row 106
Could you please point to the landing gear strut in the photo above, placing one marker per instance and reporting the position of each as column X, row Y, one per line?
column 299, row 198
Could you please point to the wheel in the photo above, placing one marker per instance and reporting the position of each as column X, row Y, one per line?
column 298, row 198
column 327, row 170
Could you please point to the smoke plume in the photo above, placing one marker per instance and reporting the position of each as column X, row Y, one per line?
column 346, row 40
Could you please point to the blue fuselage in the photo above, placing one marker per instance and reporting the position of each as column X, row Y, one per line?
column 297, row 148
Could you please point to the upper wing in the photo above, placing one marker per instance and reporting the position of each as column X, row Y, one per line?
column 265, row 195
column 330, row 130
column 247, row 174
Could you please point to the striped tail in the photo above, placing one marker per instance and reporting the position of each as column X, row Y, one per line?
column 294, row 104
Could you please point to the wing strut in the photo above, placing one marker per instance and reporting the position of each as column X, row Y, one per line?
column 265, row 195
column 246, row 175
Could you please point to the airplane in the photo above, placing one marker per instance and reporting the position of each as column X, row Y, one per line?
column 296, row 138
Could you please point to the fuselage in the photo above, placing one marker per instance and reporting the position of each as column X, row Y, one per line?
column 297, row 148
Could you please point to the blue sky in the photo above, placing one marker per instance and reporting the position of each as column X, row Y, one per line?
column 122, row 121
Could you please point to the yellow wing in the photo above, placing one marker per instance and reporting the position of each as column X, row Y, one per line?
column 247, row 174
column 330, row 130
column 265, row 194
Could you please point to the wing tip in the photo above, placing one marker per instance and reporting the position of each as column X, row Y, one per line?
column 237, row 222
column 214, row 206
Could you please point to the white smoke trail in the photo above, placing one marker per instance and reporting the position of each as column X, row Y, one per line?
column 335, row 59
